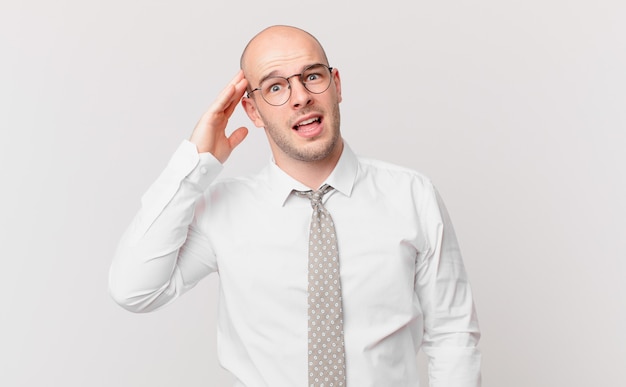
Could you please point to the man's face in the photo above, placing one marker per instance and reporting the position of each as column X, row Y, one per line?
column 306, row 127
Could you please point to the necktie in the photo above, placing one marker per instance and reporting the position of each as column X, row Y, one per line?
column 327, row 367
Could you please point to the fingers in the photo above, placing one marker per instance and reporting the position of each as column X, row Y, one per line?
column 240, row 89
column 222, row 108
column 228, row 99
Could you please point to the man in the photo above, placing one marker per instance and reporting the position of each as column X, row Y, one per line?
column 400, row 283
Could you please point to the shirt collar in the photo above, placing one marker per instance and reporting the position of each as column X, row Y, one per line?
column 341, row 178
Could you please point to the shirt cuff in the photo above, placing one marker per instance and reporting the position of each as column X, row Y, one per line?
column 206, row 167
column 185, row 165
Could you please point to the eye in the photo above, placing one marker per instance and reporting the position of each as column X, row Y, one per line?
column 274, row 85
column 312, row 77
column 274, row 88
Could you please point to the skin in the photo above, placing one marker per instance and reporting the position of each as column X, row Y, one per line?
column 308, row 153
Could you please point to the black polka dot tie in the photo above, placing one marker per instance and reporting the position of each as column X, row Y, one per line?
column 327, row 367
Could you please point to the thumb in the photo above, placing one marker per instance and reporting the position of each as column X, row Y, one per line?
column 237, row 137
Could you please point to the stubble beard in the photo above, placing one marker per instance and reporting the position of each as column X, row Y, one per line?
column 312, row 152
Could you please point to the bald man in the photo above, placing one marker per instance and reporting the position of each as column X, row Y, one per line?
column 400, row 284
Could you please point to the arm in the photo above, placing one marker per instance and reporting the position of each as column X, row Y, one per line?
column 451, row 331
column 164, row 253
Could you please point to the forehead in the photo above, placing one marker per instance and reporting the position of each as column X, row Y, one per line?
column 280, row 54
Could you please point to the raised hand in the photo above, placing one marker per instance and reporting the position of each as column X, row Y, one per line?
column 209, row 134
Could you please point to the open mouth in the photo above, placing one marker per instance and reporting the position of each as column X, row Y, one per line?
column 304, row 124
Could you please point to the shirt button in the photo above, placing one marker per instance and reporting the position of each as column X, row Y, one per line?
column 203, row 170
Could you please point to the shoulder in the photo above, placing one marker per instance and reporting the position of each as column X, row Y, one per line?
column 237, row 185
column 405, row 192
column 385, row 172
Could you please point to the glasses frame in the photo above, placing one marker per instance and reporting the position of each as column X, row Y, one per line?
column 299, row 75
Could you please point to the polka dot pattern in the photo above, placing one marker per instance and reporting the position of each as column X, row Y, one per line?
column 327, row 366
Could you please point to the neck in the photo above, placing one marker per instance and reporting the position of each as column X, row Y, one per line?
column 311, row 173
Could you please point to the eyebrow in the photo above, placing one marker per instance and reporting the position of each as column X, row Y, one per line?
column 274, row 73
column 270, row 75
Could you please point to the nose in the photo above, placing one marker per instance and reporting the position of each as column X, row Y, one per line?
column 300, row 96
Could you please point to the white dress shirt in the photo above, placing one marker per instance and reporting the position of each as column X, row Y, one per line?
column 403, row 280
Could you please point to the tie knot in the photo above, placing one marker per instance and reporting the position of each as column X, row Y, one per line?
column 315, row 196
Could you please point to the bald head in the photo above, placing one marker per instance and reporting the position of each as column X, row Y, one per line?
column 274, row 38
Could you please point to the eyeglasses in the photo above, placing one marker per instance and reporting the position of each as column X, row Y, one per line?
column 276, row 91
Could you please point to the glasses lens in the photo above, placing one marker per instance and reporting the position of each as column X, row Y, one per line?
column 275, row 90
column 316, row 78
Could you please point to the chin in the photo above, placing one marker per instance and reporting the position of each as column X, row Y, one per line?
column 318, row 150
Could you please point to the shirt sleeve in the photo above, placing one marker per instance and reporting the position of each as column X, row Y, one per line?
column 162, row 254
column 451, row 331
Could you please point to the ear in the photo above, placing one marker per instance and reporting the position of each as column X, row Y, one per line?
column 249, row 105
column 337, row 79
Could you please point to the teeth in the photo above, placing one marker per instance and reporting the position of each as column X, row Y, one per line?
column 312, row 120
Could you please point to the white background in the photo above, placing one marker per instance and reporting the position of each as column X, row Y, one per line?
column 515, row 109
